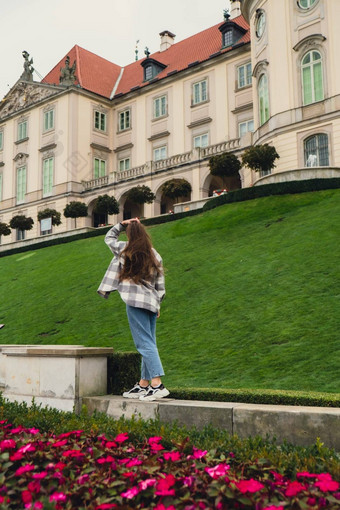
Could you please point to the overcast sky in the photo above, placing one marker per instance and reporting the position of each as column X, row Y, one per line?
column 48, row 29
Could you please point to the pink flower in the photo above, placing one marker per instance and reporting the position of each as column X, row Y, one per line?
column 164, row 484
column 59, row 466
column 34, row 487
column 40, row 476
column 104, row 460
column 83, row 479
column 294, row 488
column 173, row 456
column 130, row 493
column 217, row 471
column 305, row 474
column 326, row 483
column 27, row 448
column 154, row 439
column 160, row 506
column 7, row 444
column 106, row 506
column 17, row 430
column 24, row 469
column 59, row 443
column 144, row 484
column 198, row 454
column 73, row 453
column 111, row 444
column 36, row 506
column 26, row 496
column 155, row 447
column 34, row 431
column 133, row 462
column 249, row 486
column 58, row 496
column 189, row 481
column 121, row 437
column 16, row 456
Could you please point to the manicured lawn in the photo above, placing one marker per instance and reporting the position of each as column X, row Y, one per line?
column 252, row 295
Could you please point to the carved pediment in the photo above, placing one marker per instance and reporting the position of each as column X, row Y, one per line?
column 21, row 157
column 25, row 94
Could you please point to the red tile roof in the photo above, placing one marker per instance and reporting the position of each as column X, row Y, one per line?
column 100, row 76
column 93, row 73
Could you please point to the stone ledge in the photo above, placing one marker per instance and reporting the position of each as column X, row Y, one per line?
column 63, row 351
column 298, row 425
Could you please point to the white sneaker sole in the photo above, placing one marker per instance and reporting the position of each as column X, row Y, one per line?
column 129, row 395
column 158, row 395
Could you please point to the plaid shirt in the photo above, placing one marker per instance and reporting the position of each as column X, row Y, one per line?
column 147, row 294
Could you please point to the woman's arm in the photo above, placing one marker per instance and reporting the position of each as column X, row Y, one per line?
column 111, row 239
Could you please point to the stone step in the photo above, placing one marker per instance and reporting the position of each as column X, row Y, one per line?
column 294, row 424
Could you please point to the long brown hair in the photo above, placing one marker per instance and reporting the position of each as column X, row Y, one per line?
column 140, row 262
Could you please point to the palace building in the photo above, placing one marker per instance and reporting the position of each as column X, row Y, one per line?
column 266, row 73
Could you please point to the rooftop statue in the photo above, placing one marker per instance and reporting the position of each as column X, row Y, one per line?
column 67, row 73
column 27, row 75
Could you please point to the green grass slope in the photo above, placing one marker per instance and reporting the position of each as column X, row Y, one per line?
column 252, row 295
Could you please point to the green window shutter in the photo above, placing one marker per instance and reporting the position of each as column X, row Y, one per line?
column 204, row 91
column 0, row 187
column 241, row 81
column 102, row 172
column 196, row 93
column 307, row 85
column 21, row 184
column 96, row 168
column 318, row 82
column 48, row 176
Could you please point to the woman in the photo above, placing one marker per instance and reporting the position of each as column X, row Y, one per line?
column 136, row 271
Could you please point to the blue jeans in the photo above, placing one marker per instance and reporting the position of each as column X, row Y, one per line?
column 143, row 329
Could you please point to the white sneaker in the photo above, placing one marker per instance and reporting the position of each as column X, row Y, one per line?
column 136, row 391
column 155, row 393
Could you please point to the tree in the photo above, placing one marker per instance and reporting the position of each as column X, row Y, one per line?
column 75, row 210
column 176, row 188
column 21, row 222
column 224, row 165
column 105, row 204
column 50, row 213
column 4, row 229
column 141, row 195
column 260, row 158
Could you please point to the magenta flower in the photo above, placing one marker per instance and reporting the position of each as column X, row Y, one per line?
column 121, row 437
column 111, row 444
column 294, row 488
column 273, row 507
column 83, row 479
column 144, row 484
column 326, row 483
column 17, row 430
column 24, row 469
column 154, row 439
column 34, row 487
column 164, row 484
column 156, row 447
column 7, row 444
column 34, row 431
column 133, row 462
column 198, row 454
column 27, row 448
column 58, row 496
column 305, row 474
column 26, row 497
column 189, row 481
column 104, row 460
column 40, row 476
column 73, row 453
column 173, row 456
column 16, row 456
column 160, row 506
column 59, row 443
column 106, row 506
column 249, row 486
column 217, row 471
column 130, row 493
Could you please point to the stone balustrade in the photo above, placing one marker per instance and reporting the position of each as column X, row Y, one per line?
column 96, row 183
column 132, row 172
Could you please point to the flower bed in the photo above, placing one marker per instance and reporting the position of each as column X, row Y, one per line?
column 78, row 470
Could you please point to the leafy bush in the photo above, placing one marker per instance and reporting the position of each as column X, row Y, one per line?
column 141, row 195
column 50, row 213
column 75, row 210
column 105, row 204
column 84, row 469
column 123, row 369
column 176, row 188
column 224, row 165
column 21, row 222
column 4, row 229
column 278, row 188
column 260, row 157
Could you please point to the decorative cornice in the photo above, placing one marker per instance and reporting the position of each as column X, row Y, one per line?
column 123, row 147
column 310, row 40
column 260, row 66
column 158, row 135
column 20, row 155
column 199, row 122
column 100, row 147
column 243, row 108
column 18, row 142
column 48, row 147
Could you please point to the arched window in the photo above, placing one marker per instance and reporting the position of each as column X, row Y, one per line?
column 263, row 93
column 316, row 150
column 306, row 4
column 312, row 80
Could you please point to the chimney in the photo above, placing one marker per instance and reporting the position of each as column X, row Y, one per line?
column 167, row 40
column 235, row 8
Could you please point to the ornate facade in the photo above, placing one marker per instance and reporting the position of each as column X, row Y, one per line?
column 94, row 128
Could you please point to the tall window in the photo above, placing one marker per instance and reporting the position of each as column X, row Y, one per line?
column 306, row 4
column 48, row 176
column 199, row 92
column 48, row 120
column 22, row 130
column 21, row 184
column 124, row 120
column 263, row 99
column 99, row 168
column 124, row 164
column 100, row 120
column 159, row 107
column 159, row 153
column 201, row 140
column 244, row 75
column 1, row 140
column 228, row 38
column 0, row 187
column 316, row 150
column 312, row 81
column 245, row 127
column 148, row 73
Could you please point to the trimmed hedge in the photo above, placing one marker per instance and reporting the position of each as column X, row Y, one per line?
column 279, row 188
column 123, row 371
column 249, row 396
